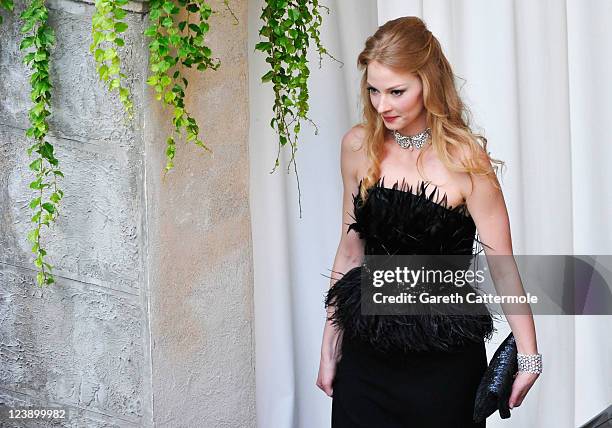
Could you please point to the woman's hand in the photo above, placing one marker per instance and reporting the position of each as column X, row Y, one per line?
column 327, row 372
column 521, row 385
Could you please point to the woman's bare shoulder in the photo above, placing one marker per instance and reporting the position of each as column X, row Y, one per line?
column 475, row 156
column 353, row 141
column 353, row 151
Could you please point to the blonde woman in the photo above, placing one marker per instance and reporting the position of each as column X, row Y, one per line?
column 416, row 180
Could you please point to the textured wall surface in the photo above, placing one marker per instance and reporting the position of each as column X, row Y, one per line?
column 150, row 321
column 200, row 252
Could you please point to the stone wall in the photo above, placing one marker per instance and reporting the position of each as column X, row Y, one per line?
column 150, row 321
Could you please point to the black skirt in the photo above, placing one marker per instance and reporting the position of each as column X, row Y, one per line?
column 420, row 389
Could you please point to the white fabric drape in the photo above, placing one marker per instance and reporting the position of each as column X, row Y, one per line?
column 535, row 80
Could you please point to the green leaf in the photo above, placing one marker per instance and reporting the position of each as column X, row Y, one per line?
column 167, row 22
column 294, row 14
column 35, row 202
column 169, row 97
column 120, row 27
column 35, row 166
column 168, row 7
column 27, row 27
column 46, row 150
column 49, row 207
column 40, row 56
column 170, row 152
column 119, row 14
column 268, row 76
column 165, row 80
column 151, row 31
column 26, row 42
column 109, row 54
column 28, row 58
column 113, row 69
column 263, row 46
column 99, row 55
column 33, row 235
column 36, row 184
column 103, row 71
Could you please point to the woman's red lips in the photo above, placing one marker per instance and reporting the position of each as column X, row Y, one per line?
column 388, row 118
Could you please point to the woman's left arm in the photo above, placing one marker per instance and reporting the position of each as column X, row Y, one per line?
column 488, row 209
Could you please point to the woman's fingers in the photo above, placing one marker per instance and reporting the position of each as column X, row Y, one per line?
column 327, row 373
column 514, row 398
column 326, row 387
column 520, row 387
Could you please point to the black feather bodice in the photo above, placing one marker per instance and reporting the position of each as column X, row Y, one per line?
column 401, row 220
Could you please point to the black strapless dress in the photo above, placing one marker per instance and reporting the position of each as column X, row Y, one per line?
column 416, row 371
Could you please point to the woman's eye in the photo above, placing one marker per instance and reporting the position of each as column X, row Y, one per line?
column 395, row 92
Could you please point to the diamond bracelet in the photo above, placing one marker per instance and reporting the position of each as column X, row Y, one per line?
column 530, row 363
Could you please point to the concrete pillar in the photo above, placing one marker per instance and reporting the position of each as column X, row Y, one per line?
column 150, row 322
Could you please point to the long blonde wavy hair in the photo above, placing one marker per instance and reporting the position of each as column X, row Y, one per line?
column 405, row 44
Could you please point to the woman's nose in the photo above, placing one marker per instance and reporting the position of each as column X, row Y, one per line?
column 382, row 104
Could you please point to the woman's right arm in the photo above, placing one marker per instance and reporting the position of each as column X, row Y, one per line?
column 348, row 255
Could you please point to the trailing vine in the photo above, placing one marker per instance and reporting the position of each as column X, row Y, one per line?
column 174, row 45
column 290, row 26
column 106, row 26
column 6, row 5
column 46, row 165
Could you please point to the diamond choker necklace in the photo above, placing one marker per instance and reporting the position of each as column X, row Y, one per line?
column 409, row 141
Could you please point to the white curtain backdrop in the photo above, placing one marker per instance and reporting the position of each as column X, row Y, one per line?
column 536, row 80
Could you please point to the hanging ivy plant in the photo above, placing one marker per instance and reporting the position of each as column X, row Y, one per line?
column 6, row 5
column 290, row 26
column 176, row 44
column 106, row 27
column 38, row 45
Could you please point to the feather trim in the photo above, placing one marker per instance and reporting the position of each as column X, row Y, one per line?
column 405, row 219
column 404, row 333
column 402, row 220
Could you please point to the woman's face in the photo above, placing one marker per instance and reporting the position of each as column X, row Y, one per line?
column 398, row 98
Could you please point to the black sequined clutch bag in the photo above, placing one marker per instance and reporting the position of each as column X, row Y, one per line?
column 496, row 385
